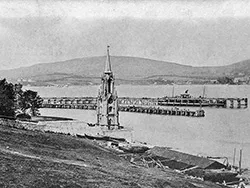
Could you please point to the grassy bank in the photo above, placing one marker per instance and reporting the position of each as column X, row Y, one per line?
column 35, row 159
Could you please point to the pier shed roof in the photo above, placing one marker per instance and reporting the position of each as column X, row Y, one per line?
column 190, row 160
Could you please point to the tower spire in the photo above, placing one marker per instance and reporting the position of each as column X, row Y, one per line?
column 108, row 64
column 107, row 100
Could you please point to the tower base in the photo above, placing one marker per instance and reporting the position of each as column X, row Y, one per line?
column 111, row 127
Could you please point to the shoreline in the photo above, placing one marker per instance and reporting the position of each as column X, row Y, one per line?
column 186, row 150
column 59, row 159
column 110, row 145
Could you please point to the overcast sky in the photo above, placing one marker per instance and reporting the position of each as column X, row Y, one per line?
column 194, row 32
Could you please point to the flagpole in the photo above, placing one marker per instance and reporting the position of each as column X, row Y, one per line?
column 173, row 91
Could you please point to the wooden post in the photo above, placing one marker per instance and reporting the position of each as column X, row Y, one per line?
column 234, row 157
column 232, row 103
column 240, row 162
column 203, row 95
column 239, row 103
column 173, row 91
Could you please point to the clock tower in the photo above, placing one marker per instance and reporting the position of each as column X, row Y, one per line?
column 107, row 99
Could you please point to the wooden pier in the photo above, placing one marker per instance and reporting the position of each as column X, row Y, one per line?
column 204, row 102
column 89, row 103
column 150, row 105
column 162, row 111
column 156, row 102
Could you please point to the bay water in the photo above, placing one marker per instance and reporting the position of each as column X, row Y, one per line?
column 216, row 134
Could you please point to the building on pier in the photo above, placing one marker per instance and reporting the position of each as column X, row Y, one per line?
column 107, row 99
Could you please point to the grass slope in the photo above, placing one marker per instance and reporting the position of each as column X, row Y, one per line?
column 35, row 159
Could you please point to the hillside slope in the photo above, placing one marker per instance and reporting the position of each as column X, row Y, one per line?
column 36, row 159
column 126, row 69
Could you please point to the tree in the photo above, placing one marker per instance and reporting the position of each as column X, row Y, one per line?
column 7, row 99
column 14, row 101
column 225, row 80
column 30, row 102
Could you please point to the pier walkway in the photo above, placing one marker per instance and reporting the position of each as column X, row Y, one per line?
column 204, row 102
column 145, row 105
column 153, row 102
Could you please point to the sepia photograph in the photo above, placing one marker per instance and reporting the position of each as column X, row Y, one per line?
column 124, row 94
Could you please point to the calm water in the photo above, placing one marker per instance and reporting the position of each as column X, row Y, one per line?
column 217, row 134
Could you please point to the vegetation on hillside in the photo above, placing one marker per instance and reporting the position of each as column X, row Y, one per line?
column 14, row 101
column 30, row 103
column 225, row 80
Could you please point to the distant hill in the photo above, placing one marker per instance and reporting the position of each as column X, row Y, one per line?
column 129, row 70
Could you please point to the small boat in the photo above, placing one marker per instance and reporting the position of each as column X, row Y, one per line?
column 134, row 149
column 104, row 138
column 96, row 137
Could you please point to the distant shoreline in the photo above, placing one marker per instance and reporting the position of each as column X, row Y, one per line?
column 65, row 86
